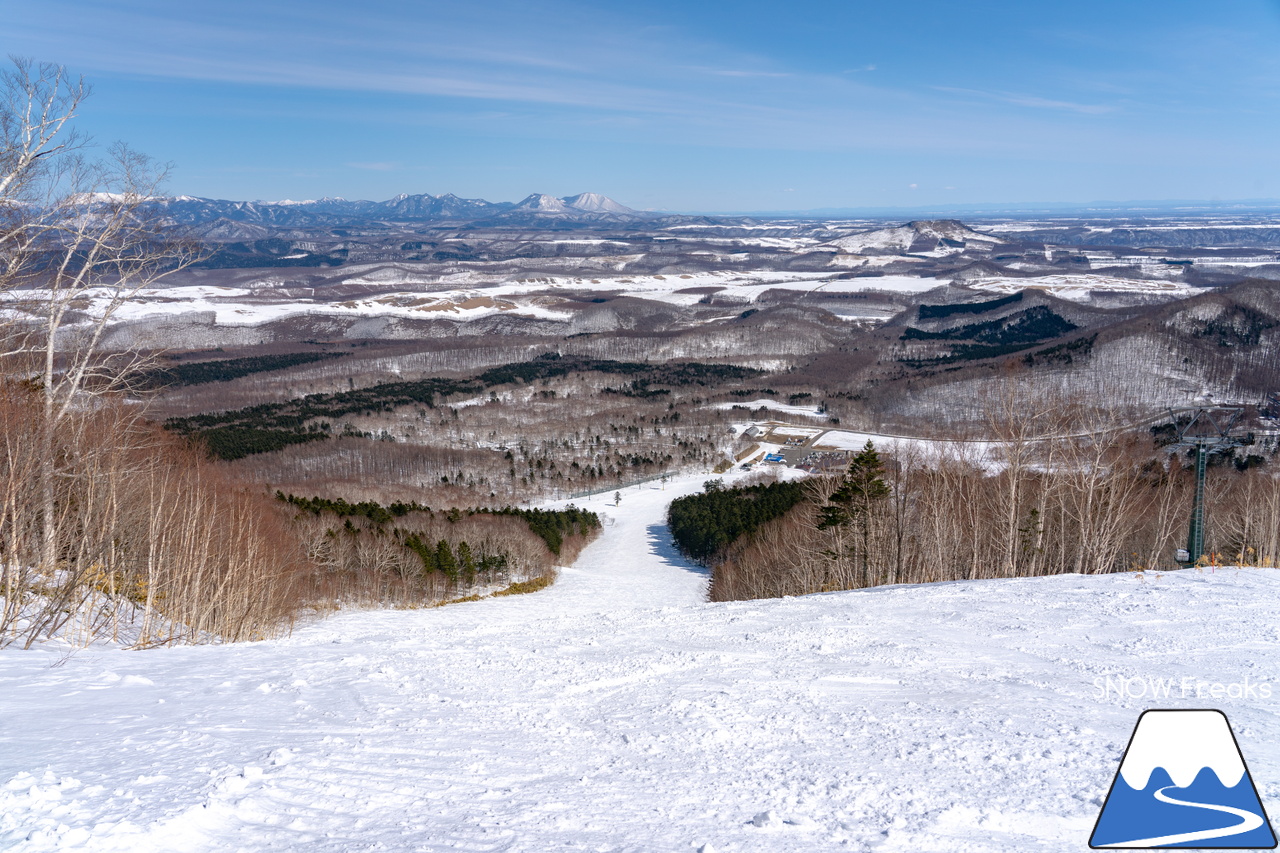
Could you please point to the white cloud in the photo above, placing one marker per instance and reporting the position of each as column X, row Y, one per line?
column 564, row 69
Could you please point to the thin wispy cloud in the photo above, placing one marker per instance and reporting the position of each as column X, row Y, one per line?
column 664, row 93
column 456, row 62
column 733, row 72
column 1032, row 101
column 626, row 82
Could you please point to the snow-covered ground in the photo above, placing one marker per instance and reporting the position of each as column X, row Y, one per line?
column 1082, row 286
column 618, row 711
column 470, row 294
column 773, row 437
column 764, row 403
column 843, row 439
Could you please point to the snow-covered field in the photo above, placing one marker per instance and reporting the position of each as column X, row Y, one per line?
column 843, row 439
column 1082, row 286
column 617, row 711
column 764, row 403
column 469, row 296
column 406, row 291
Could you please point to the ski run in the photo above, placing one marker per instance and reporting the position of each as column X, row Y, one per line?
column 618, row 711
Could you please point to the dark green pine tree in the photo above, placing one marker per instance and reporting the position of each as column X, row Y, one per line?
column 466, row 562
column 425, row 553
column 855, row 501
column 445, row 560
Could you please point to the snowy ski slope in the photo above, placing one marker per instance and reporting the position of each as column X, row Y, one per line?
column 617, row 711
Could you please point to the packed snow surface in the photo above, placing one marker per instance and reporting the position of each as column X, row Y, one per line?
column 618, row 711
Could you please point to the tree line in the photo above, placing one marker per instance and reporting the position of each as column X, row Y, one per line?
column 151, row 541
column 267, row 427
column 409, row 555
column 461, row 565
column 702, row 525
column 155, row 543
column 225, row 370
column 552, row 526
column 1076, row 502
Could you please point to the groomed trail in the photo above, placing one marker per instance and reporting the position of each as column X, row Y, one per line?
column 617, row 711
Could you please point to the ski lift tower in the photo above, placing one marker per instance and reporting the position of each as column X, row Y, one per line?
column 1206, row 432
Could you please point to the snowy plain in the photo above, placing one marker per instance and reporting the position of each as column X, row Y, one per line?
column 1081, row 287
column 465, row 296
column 618, row 711
column 471, row 295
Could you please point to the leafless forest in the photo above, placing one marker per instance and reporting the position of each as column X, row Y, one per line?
column 1095, row 498
column 155, row 543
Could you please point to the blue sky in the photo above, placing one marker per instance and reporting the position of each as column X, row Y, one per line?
column 679, row 105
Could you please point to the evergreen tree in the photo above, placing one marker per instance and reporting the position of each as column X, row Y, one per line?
column 466, row 562
column 703, row 524
column 854, row 503
column 445, row 560
column 425, row 553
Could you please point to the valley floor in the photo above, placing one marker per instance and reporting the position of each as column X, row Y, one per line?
column 618, row 711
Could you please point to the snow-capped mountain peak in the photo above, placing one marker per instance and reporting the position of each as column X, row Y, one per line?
column 595, row 203
column 542, row 203
column 1183, row 743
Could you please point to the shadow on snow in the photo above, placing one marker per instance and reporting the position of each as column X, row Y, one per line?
column 664, row 548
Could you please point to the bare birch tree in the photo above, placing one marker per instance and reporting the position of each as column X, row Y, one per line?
column 79, row 238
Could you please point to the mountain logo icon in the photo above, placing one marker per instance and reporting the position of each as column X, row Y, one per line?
column 1183, row 783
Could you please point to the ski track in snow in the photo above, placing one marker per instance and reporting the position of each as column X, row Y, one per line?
column 617, row 711
column 1248, row 822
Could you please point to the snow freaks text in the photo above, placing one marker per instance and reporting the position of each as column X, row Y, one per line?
column 1119, row 687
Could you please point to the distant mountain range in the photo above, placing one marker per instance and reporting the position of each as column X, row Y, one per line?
column 588, row 209
column 536, row 209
